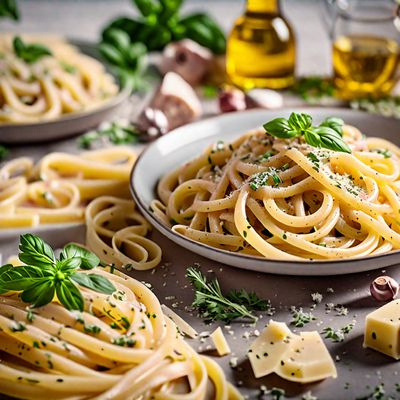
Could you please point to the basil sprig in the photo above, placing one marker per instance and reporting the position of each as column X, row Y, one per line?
column 45, row 276
column 327, row 135
column 29, row 52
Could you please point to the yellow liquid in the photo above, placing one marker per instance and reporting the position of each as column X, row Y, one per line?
column 261, row 51
column 365, row 65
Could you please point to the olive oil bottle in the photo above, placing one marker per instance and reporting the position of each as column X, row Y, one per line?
column 261, row 48
column 365, row 65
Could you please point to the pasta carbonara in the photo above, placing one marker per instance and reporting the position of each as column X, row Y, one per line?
column 284, row 199
column 58, row 187
column 65, row 82
column 121, row 346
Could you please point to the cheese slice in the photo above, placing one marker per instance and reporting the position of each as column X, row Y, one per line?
column 300, row 358
column 382, row 329
column 220, row 342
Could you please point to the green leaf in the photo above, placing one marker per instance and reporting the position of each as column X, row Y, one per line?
column 119, row 39
column 111, row 54
column 279, row 127
column 4, row 269
column 148, row 7
column 334, row 123
column 21, row 278
column 95, row 282
column 312, row 138
column 35, row 251
column 299, row 121
column 3, row 152
column 39, row 294
column 88, row 259
column 9, row 9
column 330, row 139
column 69, row 264
column 69, row 295
column 29, row 52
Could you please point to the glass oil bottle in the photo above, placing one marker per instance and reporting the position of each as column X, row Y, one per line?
column 261, row 48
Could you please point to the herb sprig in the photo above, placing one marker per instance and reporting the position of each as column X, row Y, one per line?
column 214, row 305
column 300, row 317
column 328, row 134
column 44, row 276
column 30, row 53
column 115, row 133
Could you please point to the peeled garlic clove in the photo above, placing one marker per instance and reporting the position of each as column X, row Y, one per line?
column 188, row 59
column 264, row 98
column 384, row 288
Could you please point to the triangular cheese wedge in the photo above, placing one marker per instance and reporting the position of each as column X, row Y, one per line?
column 300, row 358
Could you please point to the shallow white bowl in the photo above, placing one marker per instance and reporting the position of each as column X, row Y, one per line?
column 187, row 142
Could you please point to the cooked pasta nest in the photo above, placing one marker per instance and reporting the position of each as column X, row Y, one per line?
column 283, row 199
column 53, row 86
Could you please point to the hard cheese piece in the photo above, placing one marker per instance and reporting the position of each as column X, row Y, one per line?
column 300, row 358
column 307, row 360
column 220, row 342
column 382, row 329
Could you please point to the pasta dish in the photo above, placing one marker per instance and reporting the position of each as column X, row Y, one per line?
column 290, row 192
column 47, row 78
column 58, row 187
column 121, row 346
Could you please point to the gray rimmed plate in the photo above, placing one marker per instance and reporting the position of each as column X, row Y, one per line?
column 187, row 142
column 68, row 125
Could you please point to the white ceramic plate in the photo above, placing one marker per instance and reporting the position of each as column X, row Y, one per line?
column 187, row 142
column 70, row 124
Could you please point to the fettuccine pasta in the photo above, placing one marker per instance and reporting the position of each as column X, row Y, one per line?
column 58, row 188
column 121, row 346
column 53, row 86
column 116, row 232
column 284, row 199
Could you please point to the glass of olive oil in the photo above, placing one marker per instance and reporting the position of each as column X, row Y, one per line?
column 366, row 48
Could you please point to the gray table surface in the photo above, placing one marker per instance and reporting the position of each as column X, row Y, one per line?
column 359, row 370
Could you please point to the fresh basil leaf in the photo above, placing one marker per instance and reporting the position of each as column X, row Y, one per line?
column 119, row 39
column 29, row 52
column 88, row 259
column 21, row 278
column 312, row 138
column 39, row 294
column 331, row 139
column 35, row 251
column 69, row 264
column 4, row 269
column 280, row 128
column 9, row 9
column 112, row 54
column 299, row 121
column 95, row 282
column 69, row 295
column 147, row 7
column 335, row 123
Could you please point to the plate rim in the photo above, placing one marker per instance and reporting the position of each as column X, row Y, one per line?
column 168, row 232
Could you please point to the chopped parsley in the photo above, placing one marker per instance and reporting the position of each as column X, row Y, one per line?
column 384, row 152
column 337, row 335
column 269, row 177
column 124, row 341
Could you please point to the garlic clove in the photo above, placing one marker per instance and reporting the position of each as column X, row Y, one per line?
column 264, row 98
column 232, row 99
column 384, row 288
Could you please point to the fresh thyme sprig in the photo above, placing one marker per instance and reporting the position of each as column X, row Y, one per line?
column 328, row 134
column 115, row 133
column 44, row 276
column 337, row 335
column 214, row 305
column 29, row 52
